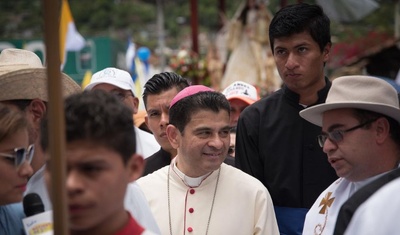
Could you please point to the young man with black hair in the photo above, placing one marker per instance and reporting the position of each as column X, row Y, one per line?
column 101, row 161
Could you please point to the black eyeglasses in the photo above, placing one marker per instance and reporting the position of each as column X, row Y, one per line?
column 121, row 95
column 20, row 155
column 337, row 135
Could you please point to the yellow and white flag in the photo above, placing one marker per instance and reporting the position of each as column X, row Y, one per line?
column 86, row 79
column 70, row 39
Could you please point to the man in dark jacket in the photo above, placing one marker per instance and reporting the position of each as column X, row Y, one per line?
column 273, row 143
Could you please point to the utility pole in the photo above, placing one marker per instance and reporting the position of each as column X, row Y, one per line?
column 161, row 33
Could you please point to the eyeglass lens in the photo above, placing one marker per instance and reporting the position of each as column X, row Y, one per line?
column 337, row 135
column 22, row 155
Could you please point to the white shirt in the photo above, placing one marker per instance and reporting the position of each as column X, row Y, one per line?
column 242, row 205
column 379, row 214
column 146, row 144
column 135, row 202
column 321, row 218
column 37, row 184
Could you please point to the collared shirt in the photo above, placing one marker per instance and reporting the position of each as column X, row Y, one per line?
column 237, row 196
column 37, row 184
column 321, row 218
column 278, row 147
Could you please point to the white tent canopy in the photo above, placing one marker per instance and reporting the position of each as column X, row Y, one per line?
column 347, row 10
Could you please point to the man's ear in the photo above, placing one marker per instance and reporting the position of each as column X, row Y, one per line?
column 146, row 120
column 135, row 166
column 135, row 102
column 173, row 135
column 382, row 127
column 37, row 109
column 326, row 52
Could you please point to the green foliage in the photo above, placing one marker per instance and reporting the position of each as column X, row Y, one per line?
column 381, row 20
column 23, row 19
column 16, row 21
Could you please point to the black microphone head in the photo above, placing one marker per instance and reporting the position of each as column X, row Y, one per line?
column 32, row 204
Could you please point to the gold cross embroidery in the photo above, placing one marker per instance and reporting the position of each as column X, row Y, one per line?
column 326, row 202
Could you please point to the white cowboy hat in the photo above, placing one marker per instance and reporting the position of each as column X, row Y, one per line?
column 23, row 77
column 360, row 92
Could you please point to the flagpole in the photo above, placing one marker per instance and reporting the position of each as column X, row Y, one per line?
column 161, row 33
column 55, row 116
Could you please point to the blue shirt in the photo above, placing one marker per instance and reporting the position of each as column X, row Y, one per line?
column 11, row 216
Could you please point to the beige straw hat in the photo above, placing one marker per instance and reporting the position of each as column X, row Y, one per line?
column 360, row 92
column 22, row 76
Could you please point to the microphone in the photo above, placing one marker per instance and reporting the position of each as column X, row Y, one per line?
column 37, row 221
column 33, row 204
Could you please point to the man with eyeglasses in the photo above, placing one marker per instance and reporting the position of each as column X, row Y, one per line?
column 120, row 83
column 361, row 137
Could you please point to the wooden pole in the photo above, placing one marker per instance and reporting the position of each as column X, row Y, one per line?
column 56, row 116
column 194, row 27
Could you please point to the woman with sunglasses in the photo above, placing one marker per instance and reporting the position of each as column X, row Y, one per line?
column 15, row 169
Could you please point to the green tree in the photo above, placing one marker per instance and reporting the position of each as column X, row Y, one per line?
column 23, row 19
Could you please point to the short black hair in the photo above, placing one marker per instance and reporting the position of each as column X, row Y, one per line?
column 163, row 82
column 98, row 117
column 181, row 112
column 298, row 18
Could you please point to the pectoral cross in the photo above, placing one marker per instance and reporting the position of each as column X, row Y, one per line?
column 326, row 202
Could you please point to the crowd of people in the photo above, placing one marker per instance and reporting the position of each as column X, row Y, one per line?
column 316, row 157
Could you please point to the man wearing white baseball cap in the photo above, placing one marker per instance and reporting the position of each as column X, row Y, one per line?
column 120, row 83
column 361, row 137
column 240, row 95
